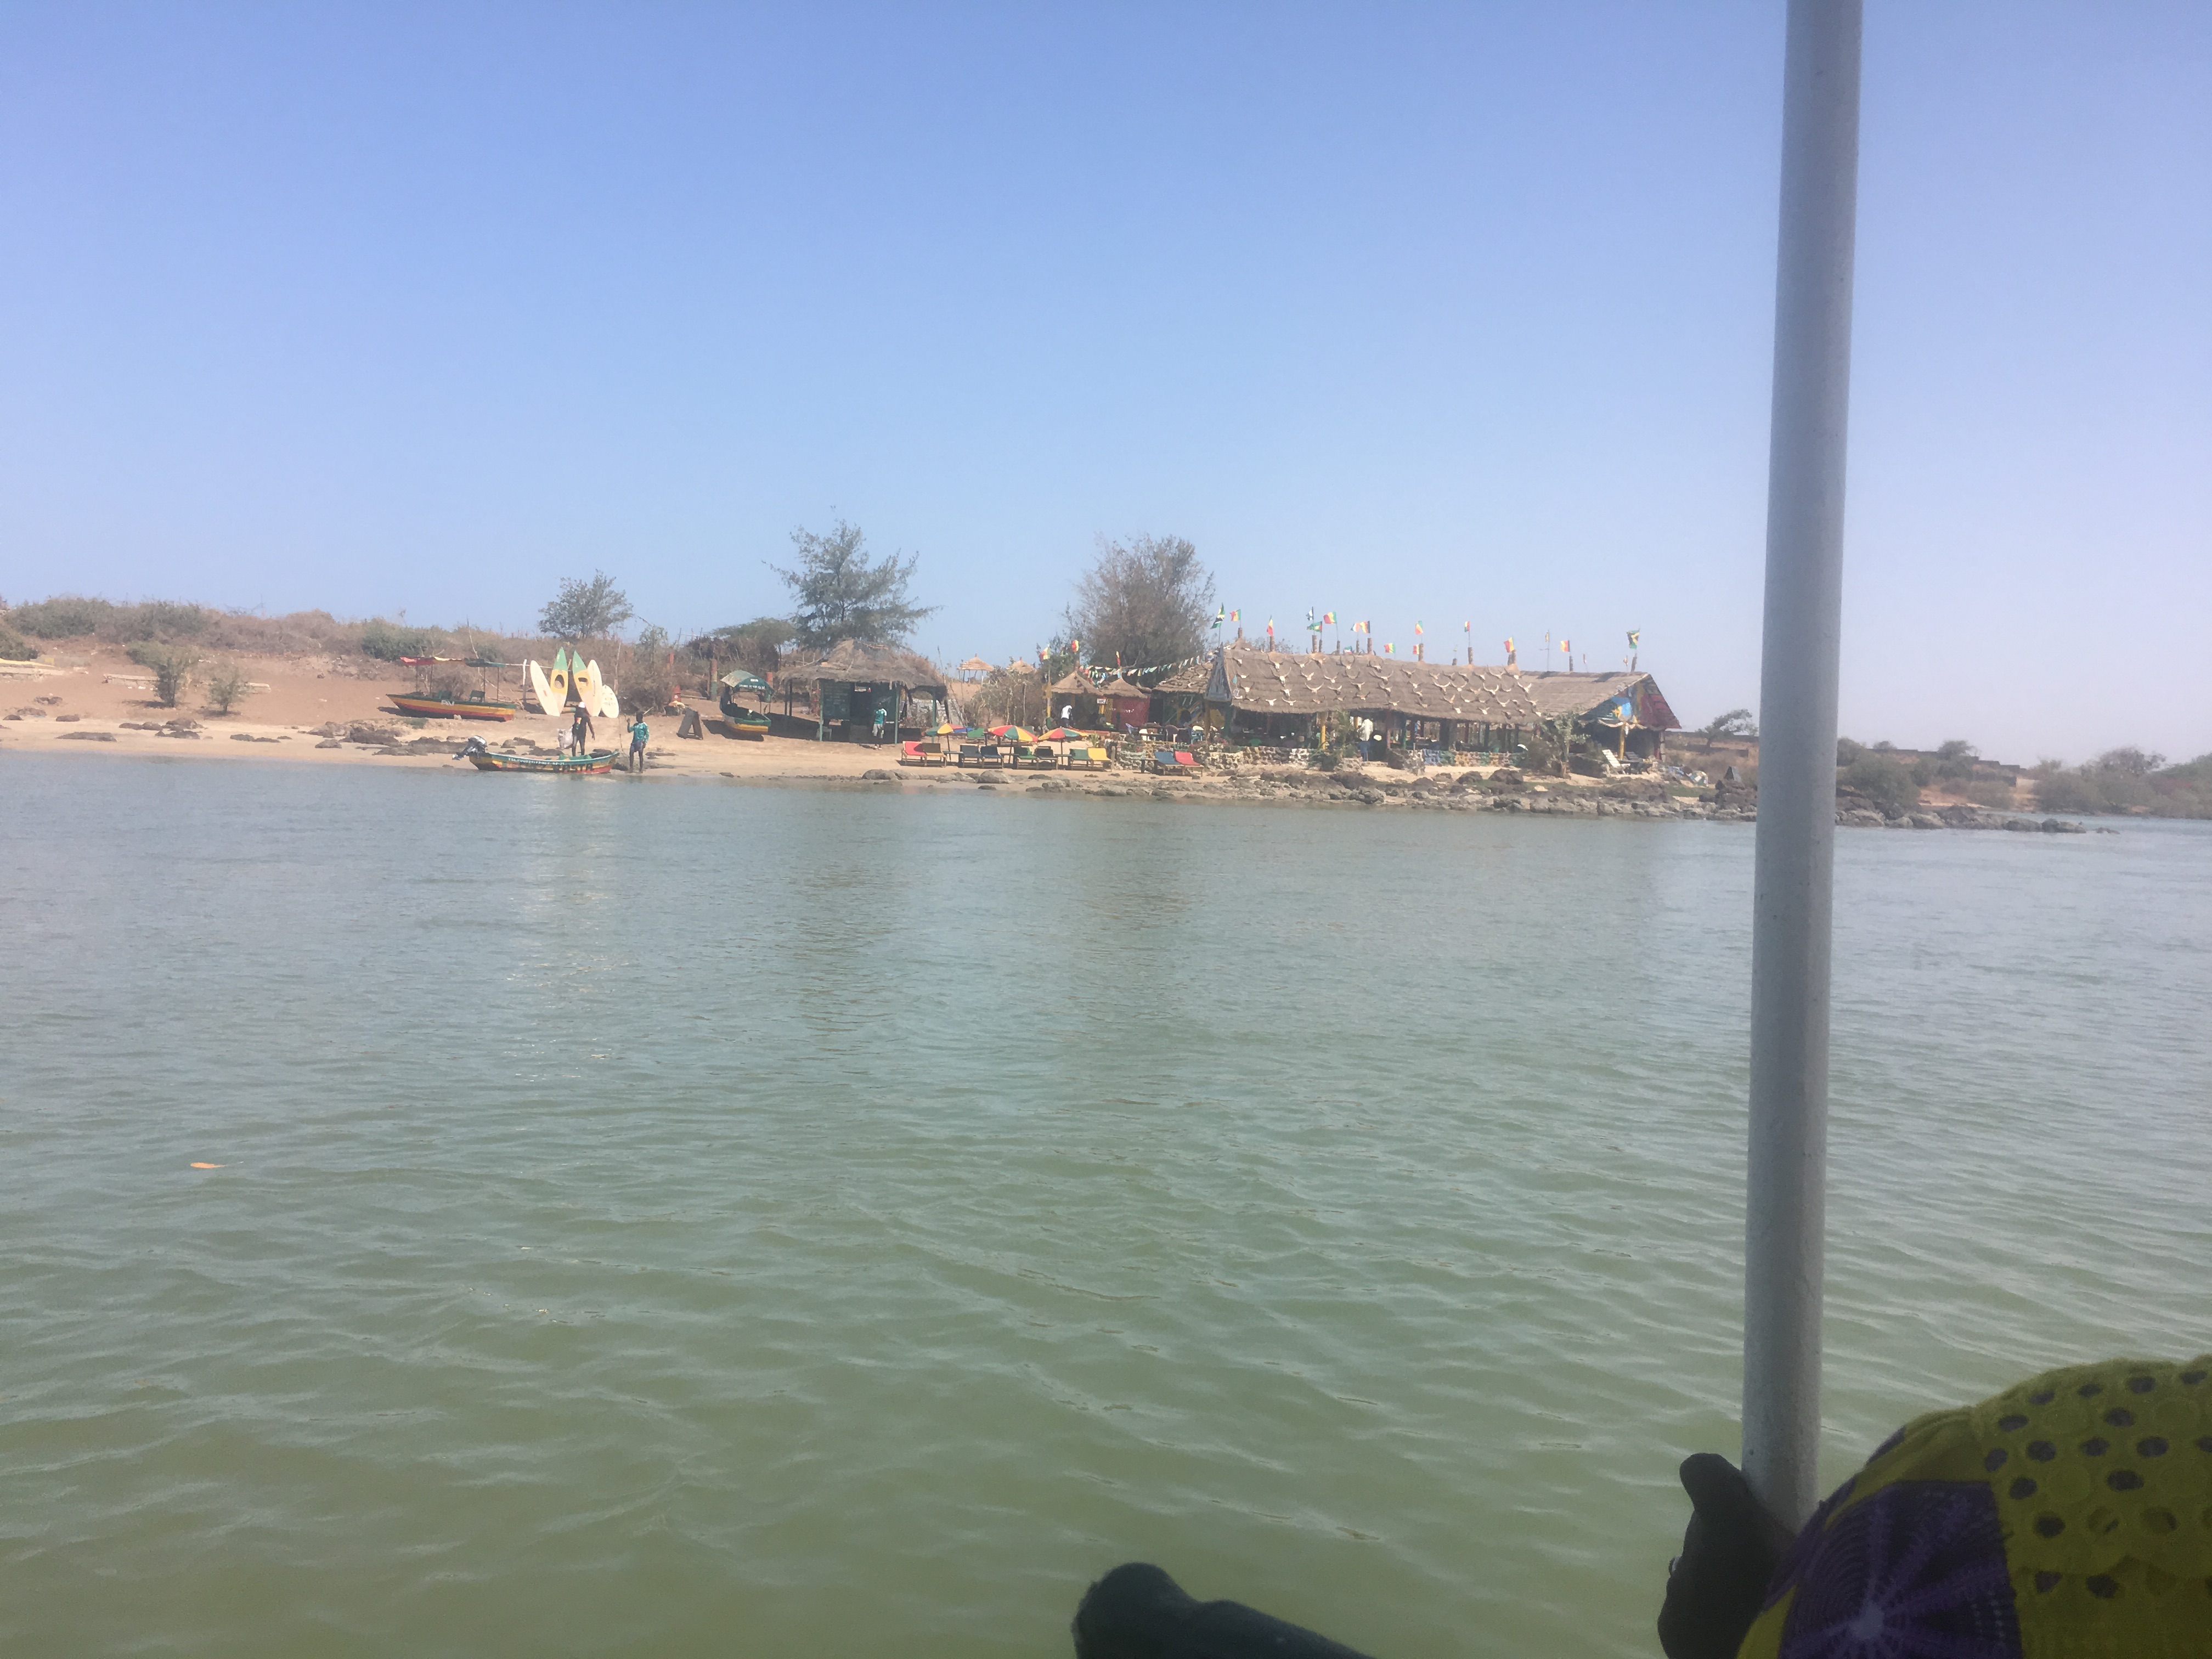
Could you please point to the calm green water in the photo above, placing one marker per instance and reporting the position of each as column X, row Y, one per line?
column 683, row 1219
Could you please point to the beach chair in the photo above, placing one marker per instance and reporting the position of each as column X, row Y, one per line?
column 910, row 755
column 1088, row 755
column 1040, row 755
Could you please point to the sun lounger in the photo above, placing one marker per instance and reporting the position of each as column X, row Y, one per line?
column 910, row 755
column 1040, row 755
column 1094, row 757
column 983, row 754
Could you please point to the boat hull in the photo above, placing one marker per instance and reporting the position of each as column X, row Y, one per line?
column 444, row 709
column 492, row 761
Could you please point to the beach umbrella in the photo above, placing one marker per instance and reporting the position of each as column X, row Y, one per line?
column 1061, row 734
column 1017, row 734
column 948, row 730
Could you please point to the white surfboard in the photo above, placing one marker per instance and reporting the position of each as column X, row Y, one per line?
column 541, row 691
column 609, row 706
column 561, row 681
column 587, row 686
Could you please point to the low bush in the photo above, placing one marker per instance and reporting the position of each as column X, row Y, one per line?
column 1883, row 779
column 390, row 641
column 65, row 617
column 1990, row 791
column 648, row 676
column 156, row 619
column 14, row 647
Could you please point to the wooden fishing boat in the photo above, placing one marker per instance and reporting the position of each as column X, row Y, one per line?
column 738, row 720
column 490, row 760
column 473, row 707
column 747, row 723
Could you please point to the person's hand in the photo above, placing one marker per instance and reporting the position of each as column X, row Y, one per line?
column 1729, row 1552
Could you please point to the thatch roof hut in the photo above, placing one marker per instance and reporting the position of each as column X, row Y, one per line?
column 1597, row 698
column 1116, row 702
column 1498, row 700
column 1310, row 683
column 877, row 680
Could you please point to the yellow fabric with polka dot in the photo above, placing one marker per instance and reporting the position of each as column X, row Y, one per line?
column 2101, row 1478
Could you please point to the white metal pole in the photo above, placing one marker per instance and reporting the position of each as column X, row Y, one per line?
column 1792, row 899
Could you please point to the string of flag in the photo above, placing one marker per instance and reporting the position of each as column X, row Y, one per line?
column 1100, row 675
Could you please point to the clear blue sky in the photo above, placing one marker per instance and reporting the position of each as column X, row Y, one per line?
column 1441, row 314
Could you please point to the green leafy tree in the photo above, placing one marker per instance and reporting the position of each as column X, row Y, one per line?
column 14, row 647
column 757, row 645
column 1737, row 723
column 1146, row 603
column 586, row 610
column 841, row 596
column 172, row 667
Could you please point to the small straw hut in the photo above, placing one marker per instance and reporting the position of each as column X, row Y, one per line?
column 863, row 687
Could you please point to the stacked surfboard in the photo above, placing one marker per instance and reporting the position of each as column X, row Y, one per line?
column 573, row 681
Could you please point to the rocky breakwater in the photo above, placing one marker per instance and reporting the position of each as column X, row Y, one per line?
column 1735, row 801
column 1858, row 811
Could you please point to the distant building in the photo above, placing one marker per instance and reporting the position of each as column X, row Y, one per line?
column 1287, row 696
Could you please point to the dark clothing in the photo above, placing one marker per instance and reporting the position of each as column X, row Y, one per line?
column 1138, row 1611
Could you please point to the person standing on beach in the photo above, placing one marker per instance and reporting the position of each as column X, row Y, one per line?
column 1366, row 736
column 582, row 733
column 638, row 733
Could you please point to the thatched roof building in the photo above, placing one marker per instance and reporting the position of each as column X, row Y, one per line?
column 860, row 683
column 865, row 662
column 1308, row 685
column 1189, row 679
column 1597, row 699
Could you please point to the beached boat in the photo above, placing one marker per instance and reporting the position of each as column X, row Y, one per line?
column 747, row 723
column 738, row 720
column 490, row 760
column 473, row 707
